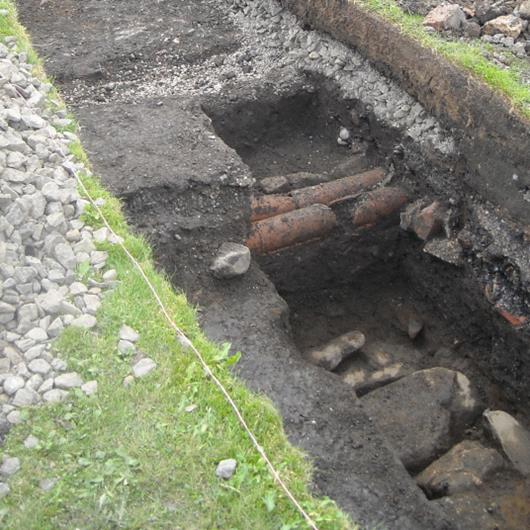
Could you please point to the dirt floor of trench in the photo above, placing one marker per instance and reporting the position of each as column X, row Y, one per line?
column 184, row 111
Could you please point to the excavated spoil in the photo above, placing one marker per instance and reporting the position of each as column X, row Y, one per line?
column 423, row 280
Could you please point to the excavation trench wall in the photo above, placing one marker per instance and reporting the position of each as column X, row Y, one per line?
column 146, row 123
column 265, row 121
column 492, row 137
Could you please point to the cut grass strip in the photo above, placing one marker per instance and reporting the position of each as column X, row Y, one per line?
column 470, row 55
column 139, row 456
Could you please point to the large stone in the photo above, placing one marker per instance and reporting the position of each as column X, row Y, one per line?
column 464, row 467
column 421, row 414
column 508, row 25
column 378, row 364
column 278, row 184
column 445, row 17
column 231, row 261
column 512, row 437
column 330, row 355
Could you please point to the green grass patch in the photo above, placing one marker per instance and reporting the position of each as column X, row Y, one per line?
column 133, row 457
column 138, row 457
column 470, row 55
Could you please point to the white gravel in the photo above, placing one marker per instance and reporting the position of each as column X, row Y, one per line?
column 42, row 242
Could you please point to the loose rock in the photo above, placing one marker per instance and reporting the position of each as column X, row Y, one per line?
column 334, row 352
column 231, row 261
column 67, row 381
column 226, row 468
column 420, row 413
column 143, row 367
column 445, row 17
column 4, row 490
column 463, row 468
column 55, row 395
column 47, row 484
column 128, row 334
column 90, row 388
column 10, row 465
column 31, row 442
column 512, row 437
column 508, row 25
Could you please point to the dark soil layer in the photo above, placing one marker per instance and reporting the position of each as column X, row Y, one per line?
column 297, row 134
column 124, row 39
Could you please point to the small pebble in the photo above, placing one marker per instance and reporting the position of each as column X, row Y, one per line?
column 47, row 484
column 31, row 442
column 226, row 468
column 143, row 367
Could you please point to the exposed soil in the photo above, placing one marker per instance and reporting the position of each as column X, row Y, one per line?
column 183, row 125
column 448, row 92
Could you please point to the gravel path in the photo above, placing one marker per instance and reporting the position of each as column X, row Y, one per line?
column 42, row 243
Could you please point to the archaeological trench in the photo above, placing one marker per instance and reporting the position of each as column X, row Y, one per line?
column 385, row 197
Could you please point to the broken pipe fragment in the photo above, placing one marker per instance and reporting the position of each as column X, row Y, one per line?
column 378, row 205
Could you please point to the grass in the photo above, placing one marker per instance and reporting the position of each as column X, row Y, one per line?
column 470, row 55
column 138, row 457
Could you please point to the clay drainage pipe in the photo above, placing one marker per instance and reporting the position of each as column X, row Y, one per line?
column 378, row 205
column 265, row 206
column 288, row 229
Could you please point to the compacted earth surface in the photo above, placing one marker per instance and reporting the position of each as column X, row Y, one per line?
column 394, row 346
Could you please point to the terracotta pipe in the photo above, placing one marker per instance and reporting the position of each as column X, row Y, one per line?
column 265, row 206
column 377, row 205
column 288, row 229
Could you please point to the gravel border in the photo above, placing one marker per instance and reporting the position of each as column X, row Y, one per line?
column 43, row 244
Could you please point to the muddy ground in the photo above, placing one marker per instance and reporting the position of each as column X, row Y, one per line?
column 182, row 111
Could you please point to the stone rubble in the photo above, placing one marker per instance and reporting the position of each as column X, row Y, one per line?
column 501, row 23
column 42, row 243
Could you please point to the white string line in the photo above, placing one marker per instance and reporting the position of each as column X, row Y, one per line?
column 186, row 343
